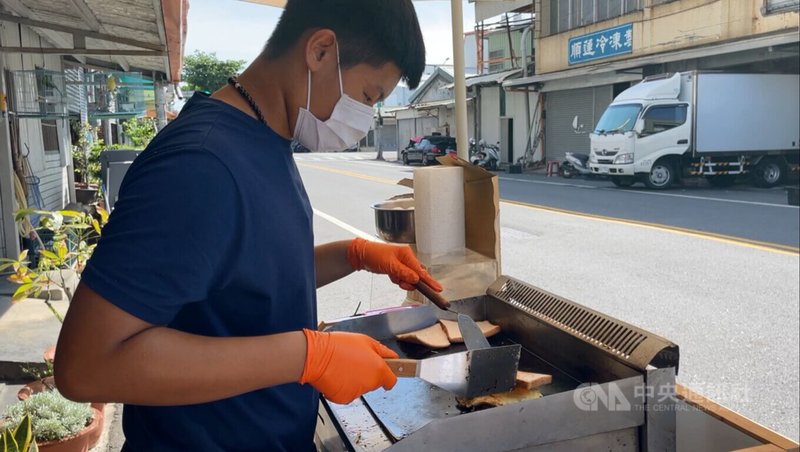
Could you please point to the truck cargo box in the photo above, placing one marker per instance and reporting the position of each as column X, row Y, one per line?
column 746, row 113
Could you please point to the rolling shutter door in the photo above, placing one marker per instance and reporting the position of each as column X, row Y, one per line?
column 561, row 107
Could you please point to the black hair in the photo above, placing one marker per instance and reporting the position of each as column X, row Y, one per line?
column 375, row 32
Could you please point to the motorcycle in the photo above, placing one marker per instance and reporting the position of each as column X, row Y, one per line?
column 575, row 164
column 483, row 155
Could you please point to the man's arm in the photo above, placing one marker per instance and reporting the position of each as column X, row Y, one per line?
column 331, row 262
column 107, row 355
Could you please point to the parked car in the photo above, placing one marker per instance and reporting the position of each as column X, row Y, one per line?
column 426, row 149
column 296, row 147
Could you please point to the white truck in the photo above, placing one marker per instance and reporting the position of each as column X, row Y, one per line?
column 716, row 125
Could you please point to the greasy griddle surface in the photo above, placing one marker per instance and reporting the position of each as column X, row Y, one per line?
column 413, row 403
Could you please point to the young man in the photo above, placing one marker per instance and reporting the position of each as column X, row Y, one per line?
column 198, row 308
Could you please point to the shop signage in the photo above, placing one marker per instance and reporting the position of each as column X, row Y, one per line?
column 601, row 44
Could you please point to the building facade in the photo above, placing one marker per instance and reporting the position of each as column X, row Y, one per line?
column 61, row 63
column 588, row 51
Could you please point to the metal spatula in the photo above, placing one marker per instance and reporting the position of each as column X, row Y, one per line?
column 467, row 374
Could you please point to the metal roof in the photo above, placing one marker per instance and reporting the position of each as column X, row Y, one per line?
column 489, row 79
column 429, row 105
column 145, row 35
column 423, row 88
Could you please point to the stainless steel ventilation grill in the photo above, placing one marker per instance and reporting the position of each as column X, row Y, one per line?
column 634, row 346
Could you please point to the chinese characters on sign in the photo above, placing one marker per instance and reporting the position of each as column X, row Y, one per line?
column 601, row 44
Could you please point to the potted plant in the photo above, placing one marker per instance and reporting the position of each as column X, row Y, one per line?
column 85, row 183
column 59, row 261
column 58, row 424
column 19, row 437
column 55, row 274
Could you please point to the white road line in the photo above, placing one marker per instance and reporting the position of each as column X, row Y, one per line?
column 384, row 165
column 347, row 227
column 639, row 192
column 706, row 198
column 563, row 184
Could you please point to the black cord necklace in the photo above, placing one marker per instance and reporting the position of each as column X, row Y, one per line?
column 234, row 81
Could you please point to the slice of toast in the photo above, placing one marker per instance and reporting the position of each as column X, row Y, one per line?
column 431, row 337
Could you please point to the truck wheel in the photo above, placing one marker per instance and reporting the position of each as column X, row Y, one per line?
column 768, row 173
column 661, row 176
column 721, row 181
column 623, row 181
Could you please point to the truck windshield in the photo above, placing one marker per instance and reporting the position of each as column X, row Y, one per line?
column 618, row 118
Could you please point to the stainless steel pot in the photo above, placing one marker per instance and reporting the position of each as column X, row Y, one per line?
column 394, row 220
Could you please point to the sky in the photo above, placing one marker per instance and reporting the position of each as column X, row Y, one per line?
column 234, row 29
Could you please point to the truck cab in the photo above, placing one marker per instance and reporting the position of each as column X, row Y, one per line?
column 643, row 133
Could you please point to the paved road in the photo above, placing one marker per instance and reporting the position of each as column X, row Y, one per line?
column 730, row 304
column 741, row 211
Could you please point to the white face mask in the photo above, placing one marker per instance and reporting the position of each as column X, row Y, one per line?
column 350, row 121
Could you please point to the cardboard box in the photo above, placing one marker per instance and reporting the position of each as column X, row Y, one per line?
column 469, row 274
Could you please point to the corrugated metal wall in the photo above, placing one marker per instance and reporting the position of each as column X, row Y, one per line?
column 387, row 137
column 499, row 41
column 48, row 166
column 560, row 107
column 405, row 131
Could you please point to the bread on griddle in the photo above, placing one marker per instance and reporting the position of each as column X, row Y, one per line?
column 453, row 332
column 516, row 395
column 431, row 337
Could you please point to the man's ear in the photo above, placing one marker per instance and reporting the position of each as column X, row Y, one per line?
column 320, row 49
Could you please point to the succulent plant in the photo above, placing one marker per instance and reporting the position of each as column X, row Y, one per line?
column 52, row 416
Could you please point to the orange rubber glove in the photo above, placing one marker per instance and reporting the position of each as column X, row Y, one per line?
column 344, row 366
column 397, row 261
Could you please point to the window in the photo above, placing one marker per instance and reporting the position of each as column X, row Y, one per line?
column 564, row 8
column 608, row 9
column 661, row 118
column 630, row 6
column 658, row 2
column 496, row 62
column 587, row 12
column 781, row 5
column 568, row 14
column 618, row 119
column 50, row 135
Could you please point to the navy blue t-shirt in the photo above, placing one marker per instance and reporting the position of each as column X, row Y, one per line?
column 212, row 235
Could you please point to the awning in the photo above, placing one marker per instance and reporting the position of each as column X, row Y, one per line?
column 436, row 104
column 666, row 57
column 489, row 79
column 149, row 36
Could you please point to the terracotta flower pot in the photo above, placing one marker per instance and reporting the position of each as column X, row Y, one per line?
column 81, row 442
column 50, row 354
column 48, row 383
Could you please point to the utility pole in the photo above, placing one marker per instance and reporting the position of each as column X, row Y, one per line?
column 457, row 17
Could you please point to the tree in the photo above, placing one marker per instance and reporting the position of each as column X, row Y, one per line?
column 140, row 131
column 203, row 71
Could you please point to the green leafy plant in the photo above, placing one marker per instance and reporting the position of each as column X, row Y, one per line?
column 52, row 417
column 73, row 241
column 19, row 438
column 81, row 153
column 38, row 372
column 140, row 131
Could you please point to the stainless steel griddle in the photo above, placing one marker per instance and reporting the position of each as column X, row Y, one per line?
column 628, row 406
